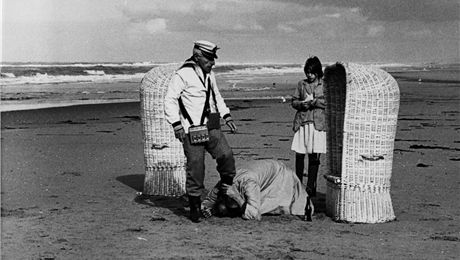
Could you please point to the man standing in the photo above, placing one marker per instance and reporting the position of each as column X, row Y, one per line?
column 193, row 99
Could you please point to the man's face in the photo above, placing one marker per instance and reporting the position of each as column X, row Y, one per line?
column 206, row 63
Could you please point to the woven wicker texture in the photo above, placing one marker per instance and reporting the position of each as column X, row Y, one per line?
column 163, row 153
column 362, row 104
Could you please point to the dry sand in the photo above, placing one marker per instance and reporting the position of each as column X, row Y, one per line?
column 70, row 177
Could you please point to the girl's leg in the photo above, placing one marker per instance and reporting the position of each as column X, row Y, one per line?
column 313, row 166
column 299, row 165
column 308, row 210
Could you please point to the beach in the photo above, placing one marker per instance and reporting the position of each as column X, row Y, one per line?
column 71, row 178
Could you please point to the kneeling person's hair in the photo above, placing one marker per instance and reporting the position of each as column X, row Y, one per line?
column 227, row 207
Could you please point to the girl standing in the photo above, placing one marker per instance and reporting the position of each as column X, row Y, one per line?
column 309, row 123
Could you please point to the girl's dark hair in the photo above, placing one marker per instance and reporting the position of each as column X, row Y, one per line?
column 313, row 65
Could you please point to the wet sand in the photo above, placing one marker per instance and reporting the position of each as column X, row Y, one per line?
column 70, row 178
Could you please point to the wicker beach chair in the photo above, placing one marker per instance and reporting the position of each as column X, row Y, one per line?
column 163, row 154
column 362, row 104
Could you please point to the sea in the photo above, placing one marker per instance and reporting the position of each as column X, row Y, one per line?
column 34, row 85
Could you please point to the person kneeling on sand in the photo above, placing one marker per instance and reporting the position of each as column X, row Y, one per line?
column 260, row 187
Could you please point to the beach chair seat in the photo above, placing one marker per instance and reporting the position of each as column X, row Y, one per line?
column 362, row 104
column 163, row 154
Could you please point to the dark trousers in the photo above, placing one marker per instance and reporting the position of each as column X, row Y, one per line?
column 219, row 149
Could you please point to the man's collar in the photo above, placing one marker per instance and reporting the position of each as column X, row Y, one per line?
column 190, row 62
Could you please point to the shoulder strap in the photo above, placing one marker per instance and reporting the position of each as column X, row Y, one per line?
column 203, row 115
column 214, row 97
column 206, row 104
column 184, row 111
column 205, row 108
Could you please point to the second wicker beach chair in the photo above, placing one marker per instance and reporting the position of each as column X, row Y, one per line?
column 362, row 104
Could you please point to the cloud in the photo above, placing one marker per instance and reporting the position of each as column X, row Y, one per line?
column 331, row 22
column 285, row 28
column 156, row 25
column 325, row 19
column 412, row 10
column 242, row 16
column 395, row 10
column 336, row 15
column 375, row 30
column 200, row 15
column 352, row 24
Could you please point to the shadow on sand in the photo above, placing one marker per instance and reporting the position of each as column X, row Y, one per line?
column 134, row 181
column 176, row 205
column 319, row 201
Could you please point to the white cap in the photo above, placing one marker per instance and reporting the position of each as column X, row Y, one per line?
column 207, row 48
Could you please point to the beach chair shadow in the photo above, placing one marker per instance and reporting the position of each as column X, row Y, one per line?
column 134, row 181
column 319, row 201
column 177, row 205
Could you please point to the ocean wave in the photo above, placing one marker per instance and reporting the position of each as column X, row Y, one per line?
column 46, row 73
column 262, row 70
column 50, row 73
column 81, row 64
column 95, row 72
column 49, row 79
column 8, row 75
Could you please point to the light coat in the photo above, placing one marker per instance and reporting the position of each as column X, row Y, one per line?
column 267, row 187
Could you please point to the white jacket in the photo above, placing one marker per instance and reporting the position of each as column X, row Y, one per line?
column 187, row 83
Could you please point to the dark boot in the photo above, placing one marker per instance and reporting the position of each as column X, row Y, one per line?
column 299, row 165
column 226, row 180
column 313, row 167
column 195, row 208
column 308, row 211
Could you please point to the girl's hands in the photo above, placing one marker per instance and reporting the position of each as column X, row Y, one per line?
column 306, row 103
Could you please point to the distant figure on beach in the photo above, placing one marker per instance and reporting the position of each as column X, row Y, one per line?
column 193, row 104
column 309, row 123
column 259, row 187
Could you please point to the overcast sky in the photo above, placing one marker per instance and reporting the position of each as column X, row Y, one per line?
column 245, row 30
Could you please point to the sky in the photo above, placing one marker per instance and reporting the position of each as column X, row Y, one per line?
column 259, row 31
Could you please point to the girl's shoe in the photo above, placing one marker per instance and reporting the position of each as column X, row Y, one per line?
column 308, row 211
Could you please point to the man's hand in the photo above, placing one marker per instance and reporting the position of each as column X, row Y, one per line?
column 229, row 190
column 207, row 213
column 233, row 193
column 231, row 125
column 179, row 132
